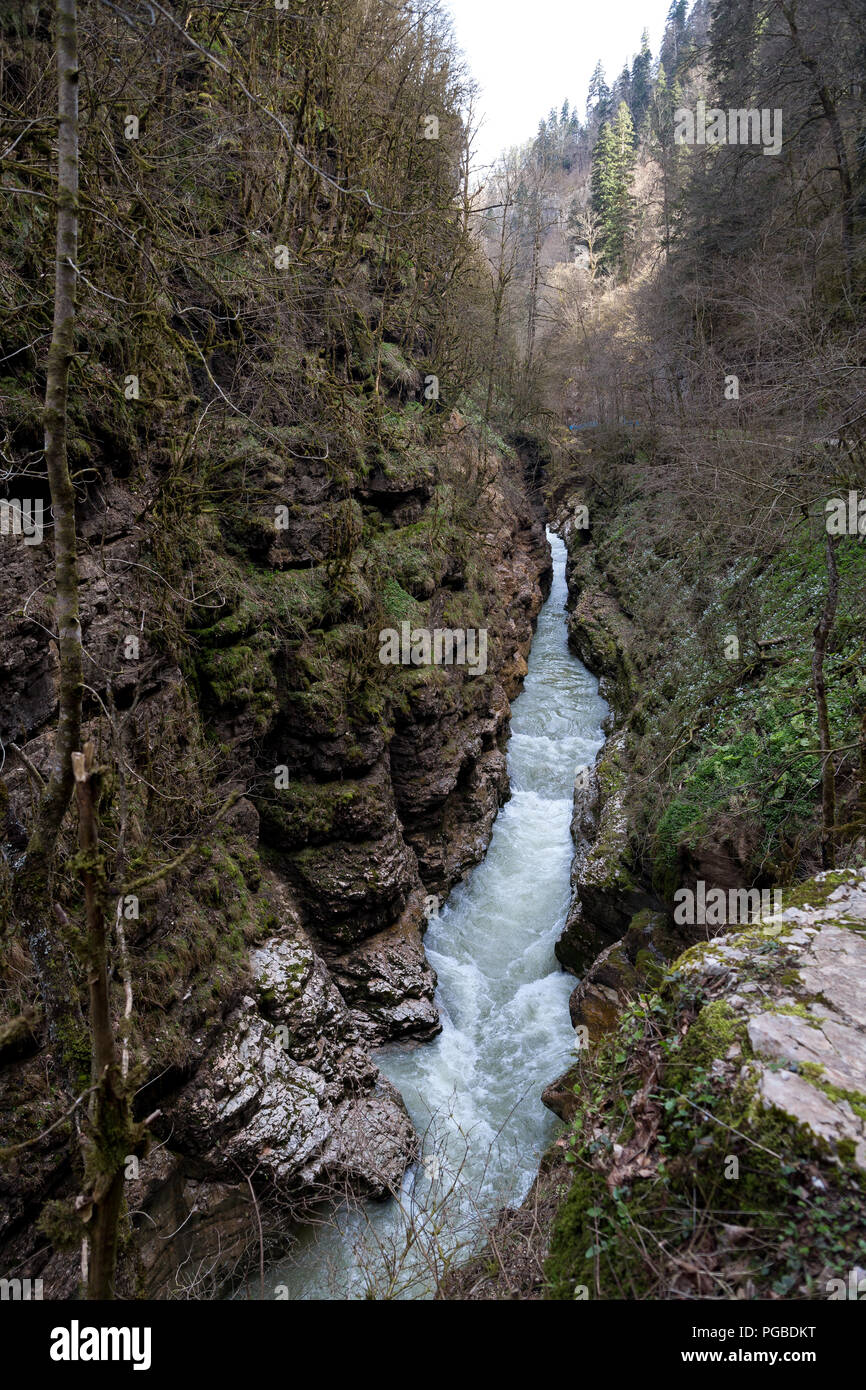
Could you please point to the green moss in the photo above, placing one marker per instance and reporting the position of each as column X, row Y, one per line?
column 74, row 1048
column 814, row 1072
column 817, row 892
column 720, row 1158
column 312, row 812
column 715, row 1030
column 241, row 677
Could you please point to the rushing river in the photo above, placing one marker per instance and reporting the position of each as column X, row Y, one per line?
column 474, row 1092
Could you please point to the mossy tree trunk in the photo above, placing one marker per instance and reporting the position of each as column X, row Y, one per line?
column 34, row 877
column 109, row 1138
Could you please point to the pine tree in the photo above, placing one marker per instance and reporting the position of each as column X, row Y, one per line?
column 664, row 102
column 623, row 131
column 610, row 185
column 641, row 80
column 603, row 191
column 675, row 28
column 598, row 96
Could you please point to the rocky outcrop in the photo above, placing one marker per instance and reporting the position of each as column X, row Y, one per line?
column 723, row 1117
column 745, row 1103
column 599, row 632
column 289, row 1091
column 388, row 983
column 606, row 889
column 805, row 1020
column 608, row 885
column 617, row 976
column 261, row 989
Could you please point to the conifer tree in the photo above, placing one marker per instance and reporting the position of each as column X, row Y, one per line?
column 675, row 29
column 612, row 164
column 598, row 96
column 641, row 80
column 666, row 98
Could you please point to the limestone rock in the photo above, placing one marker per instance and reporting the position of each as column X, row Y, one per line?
column 606, row 894
column 814, row 1022
column 830, row 1121
column 389, row 985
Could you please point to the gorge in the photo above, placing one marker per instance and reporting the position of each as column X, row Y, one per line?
column 433, row 718
column 474, row 1093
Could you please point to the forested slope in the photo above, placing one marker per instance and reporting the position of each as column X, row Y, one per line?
column 278, row 315
column 692, row 313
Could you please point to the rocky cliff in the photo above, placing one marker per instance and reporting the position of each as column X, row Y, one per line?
column 287, row 943
column 704, row 777
column 274, row 437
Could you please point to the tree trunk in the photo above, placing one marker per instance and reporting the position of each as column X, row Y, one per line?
column 109, row 1137
column 33, row 879
column 822, row 632
column 843, row 165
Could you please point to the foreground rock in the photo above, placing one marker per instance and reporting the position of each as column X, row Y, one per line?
column 742, row 1094
column 717, row 1140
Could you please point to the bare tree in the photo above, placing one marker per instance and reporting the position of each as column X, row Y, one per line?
column 503, row 264
column 108, row 1139
column 33, row 880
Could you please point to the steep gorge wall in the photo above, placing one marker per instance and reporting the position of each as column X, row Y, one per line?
column 279, row 320
column 291, row 942
column 703, row 777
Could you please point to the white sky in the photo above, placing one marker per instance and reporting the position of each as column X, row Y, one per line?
column 529, row 55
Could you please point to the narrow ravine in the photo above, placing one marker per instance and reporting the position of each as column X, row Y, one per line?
column 474, row 1092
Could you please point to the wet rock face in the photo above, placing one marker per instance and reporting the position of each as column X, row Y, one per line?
column 606, row 890
column 275, row 1073
column 388, row 983
column 599, row 632
column 254, row 1105
column 354, row 889
column 290, row 1090
column 448, row 761
column 629, row 965
column 371, row 826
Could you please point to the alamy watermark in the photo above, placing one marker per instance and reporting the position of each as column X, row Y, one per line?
column 441, row 647
column 738, row 126
column 77, row 1343
column 20, row 1290
column 23, row 517
column 718, row 908
column 854, row 1287
column 846, row 516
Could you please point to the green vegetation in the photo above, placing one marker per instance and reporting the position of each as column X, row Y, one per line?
column 685, row 1184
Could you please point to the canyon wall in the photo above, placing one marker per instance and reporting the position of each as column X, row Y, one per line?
column 289, row 944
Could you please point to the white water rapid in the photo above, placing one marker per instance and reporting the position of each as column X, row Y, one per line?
column 474, row 1092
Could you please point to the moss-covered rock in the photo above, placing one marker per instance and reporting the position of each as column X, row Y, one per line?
column 719, row 1139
